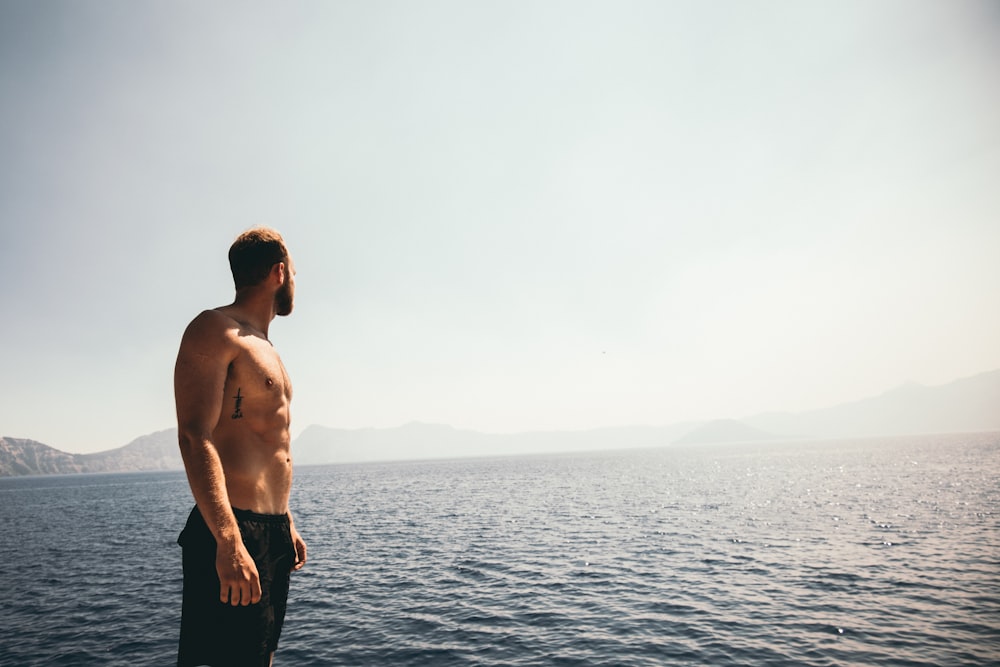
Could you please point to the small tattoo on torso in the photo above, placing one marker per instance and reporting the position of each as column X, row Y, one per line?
column 238, row 413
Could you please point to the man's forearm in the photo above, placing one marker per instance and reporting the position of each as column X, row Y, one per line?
column 208, row 485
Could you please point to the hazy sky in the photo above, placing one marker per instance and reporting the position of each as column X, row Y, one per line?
column 505, row 216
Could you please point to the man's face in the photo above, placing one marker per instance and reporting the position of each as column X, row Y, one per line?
column 284, row 299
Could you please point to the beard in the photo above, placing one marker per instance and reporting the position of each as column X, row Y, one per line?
column 284, row 300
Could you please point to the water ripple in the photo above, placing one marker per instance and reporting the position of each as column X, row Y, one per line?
column 861, row 553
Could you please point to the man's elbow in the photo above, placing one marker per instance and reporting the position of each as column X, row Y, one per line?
column 191, row 440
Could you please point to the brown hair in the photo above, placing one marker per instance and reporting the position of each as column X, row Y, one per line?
column 253, row 253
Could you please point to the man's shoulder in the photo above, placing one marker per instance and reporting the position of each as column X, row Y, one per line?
column 214, row 318
column 211, row 325
column 210, row 339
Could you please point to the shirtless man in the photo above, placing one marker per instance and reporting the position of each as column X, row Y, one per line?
column 240, row 543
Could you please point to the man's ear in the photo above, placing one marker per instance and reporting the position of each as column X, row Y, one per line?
column 279, row 273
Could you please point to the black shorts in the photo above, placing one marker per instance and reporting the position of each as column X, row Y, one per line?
column 216, row 633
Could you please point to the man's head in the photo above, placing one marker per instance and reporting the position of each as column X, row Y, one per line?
column 255, row 255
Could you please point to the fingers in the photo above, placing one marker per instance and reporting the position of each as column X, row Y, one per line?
column 300, row 554
column 240, row 593
column 240, row 586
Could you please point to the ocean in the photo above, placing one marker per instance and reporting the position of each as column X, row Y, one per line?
column 863, row 552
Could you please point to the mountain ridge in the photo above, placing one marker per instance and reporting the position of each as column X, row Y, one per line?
column 154, row 451
column 965, row 405
column 970, row 404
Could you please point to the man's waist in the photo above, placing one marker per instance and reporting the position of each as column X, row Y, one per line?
column 248, row 515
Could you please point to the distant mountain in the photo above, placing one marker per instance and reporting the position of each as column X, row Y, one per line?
column 966, row 405
column 963, row 406
column 725, row 430
column 319, row 444
column 19, row 456
column 157, row 451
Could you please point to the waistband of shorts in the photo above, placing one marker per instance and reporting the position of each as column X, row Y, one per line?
column 247, row 515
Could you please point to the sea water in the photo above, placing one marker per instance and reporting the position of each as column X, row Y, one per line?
column 864, row 552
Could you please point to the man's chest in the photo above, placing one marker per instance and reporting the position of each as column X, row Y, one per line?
column 258, row 370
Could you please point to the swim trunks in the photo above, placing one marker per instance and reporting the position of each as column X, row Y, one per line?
column 218, row 634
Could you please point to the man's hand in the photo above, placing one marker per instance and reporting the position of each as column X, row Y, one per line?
column 300, row 550
column 239, row 582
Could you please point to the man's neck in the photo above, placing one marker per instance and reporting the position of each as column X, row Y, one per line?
column 255, row 309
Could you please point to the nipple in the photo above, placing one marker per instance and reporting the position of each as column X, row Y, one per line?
column 269, row 382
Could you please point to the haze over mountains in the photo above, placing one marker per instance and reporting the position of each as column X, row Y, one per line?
column 967, row 405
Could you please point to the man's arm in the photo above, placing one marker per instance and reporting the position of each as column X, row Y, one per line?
column 203, row 361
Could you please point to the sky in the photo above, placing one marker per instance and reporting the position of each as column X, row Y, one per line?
column 505, row 216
